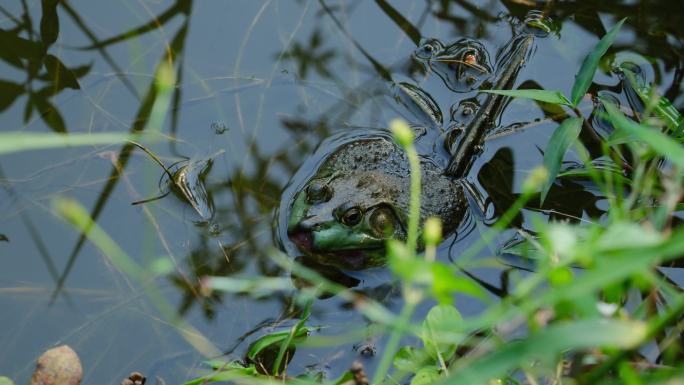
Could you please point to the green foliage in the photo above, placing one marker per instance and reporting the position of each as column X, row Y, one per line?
column 5, row 381
column 585, row 75
column 558, row 145
column 546, row 96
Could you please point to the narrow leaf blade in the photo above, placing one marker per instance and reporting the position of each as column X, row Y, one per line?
column 586, row 72
column 546, row 96
column 561, row 139
column 656, row 140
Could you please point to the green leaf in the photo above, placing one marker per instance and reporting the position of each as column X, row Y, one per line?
column 660, row 143
column 437, row 331
column 410, row 359
column 558, row 144
column 426, row 376
column 345, row 378
column 586, row 72
column 5, row 381
column 546, row 96
column 61, row 76
column 11, row 142
column 3, row 238
column 445, row 283
column 274, row 339
column 660, row 105
column 548, row 343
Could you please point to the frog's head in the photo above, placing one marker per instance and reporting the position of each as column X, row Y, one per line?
column 354, row 203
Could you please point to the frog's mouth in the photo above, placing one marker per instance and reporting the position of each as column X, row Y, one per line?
column 351, row 259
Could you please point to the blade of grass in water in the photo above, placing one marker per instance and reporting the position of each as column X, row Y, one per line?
column 586, row 72
column 11, row 142
column 546, row 96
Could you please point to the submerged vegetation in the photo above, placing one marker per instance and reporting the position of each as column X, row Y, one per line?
column 584, row 301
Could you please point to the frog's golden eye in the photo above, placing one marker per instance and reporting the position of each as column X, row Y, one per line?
column 318, row 192
column 352, row 216
column 382, row 222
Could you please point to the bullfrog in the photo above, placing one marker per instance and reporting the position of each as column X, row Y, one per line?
column 357, row 196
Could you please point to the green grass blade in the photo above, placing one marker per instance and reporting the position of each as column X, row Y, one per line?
column 561, row 139
column 661, row 106
column 548, row 343
column 656, row 140
column 546, row 96
column 585, row 75
column 23, row 141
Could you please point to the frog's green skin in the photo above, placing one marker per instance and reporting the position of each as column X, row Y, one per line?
column 358, row 198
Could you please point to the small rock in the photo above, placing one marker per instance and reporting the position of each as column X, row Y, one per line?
column 58, row 366
column 136, row 378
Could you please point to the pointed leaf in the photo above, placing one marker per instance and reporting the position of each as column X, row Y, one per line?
column 3, row 238
column 59, row 74
column 9, row 92
column 274, row 339
column 656, row 140
column 561, row 139
column 585, row 75
column 546, row 96
column 49, row 22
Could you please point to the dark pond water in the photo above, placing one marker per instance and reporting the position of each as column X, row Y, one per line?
column 263, row 83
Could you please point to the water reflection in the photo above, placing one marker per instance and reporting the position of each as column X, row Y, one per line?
column 340, row 72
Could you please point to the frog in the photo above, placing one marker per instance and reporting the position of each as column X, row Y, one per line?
column 357, row 197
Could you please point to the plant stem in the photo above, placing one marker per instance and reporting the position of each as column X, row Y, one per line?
column 397, row 332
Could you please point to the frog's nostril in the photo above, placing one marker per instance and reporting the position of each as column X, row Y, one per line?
column 301, row 237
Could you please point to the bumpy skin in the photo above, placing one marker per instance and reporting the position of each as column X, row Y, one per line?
column 359, row 198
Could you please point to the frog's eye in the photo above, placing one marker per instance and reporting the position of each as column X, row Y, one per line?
column 382, row 222
column 318, row 192
column 352, row 216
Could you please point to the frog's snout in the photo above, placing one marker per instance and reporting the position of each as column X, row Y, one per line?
column 301, row 236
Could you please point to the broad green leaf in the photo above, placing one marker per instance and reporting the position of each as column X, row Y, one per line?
column 5, row 381
column 445, row 283
column 546, row 96
column 660, row 105
column 660, row 143
column 426, row 376
column 561, row 139
column 410, row 359
column 626, row 235
column 23, row 141
column 552, row 341
column 274, row 339
column 586, row 72
column 436, row 332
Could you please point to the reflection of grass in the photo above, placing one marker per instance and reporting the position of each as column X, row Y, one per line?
column 568, row 321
